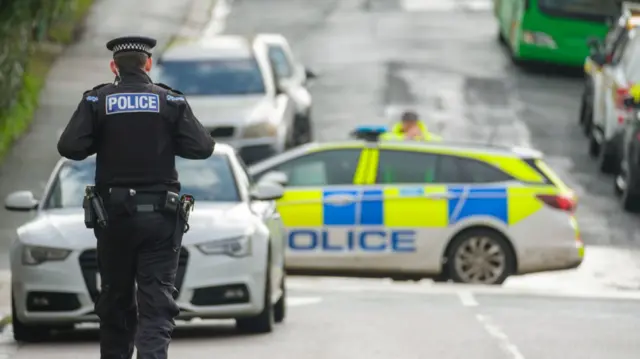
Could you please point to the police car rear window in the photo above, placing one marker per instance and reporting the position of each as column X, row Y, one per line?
column 208, row 180
column 218, row 77
column 415, row 167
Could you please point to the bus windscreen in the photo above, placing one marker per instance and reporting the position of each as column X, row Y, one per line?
column 590, row 10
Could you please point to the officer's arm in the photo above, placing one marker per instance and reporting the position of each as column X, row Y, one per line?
column 192, row 140
column 77, row 141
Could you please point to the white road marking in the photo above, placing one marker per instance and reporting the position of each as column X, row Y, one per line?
column 300, row 301
column 502, row 338
column 467, row 299
column 364, row 286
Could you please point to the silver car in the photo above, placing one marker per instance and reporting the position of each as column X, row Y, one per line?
column 233, row 86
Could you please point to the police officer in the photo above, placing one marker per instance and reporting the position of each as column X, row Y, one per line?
column 136, row 128
column 411, row 128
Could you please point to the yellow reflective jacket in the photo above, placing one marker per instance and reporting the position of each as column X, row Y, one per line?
column 397, row 134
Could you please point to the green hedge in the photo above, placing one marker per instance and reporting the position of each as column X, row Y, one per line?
column 24, row 25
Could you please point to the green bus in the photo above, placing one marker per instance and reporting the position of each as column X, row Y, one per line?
column 553, row 31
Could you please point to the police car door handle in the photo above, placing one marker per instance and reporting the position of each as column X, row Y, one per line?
column 340, row 199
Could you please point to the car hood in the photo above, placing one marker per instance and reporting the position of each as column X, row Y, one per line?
column 64, row 228
column 213, row 111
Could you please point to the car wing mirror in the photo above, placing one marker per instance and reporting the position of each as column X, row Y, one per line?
column 267, row 191
column 276, row 177
column 21, row 201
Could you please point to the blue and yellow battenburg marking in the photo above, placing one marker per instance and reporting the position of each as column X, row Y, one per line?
column 377, row 220
column 132, row 102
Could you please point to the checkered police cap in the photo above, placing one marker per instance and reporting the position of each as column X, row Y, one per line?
column 131, row 44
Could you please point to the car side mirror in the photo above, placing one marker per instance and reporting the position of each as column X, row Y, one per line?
column 310, row 75
column 21, row 201
column 276, row 177
column 267, row 191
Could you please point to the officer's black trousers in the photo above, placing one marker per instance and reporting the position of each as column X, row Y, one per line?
column 142, row 248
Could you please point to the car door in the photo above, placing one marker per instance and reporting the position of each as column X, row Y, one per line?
column 613, row 82
column 268, row 212
column 291, row 74
column 405, row 213
column 320, row 208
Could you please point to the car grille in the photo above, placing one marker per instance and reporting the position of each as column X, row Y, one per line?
column 221, row 132
column 89, row 267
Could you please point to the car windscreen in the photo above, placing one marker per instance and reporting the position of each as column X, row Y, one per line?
column 590, row 10
column 207, row 180
column 217, row 77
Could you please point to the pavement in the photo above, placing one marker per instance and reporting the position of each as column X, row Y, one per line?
column 373, row 58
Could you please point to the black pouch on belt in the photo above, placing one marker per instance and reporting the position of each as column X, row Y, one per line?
column 122, row 201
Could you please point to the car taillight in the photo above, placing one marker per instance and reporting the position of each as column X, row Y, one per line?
column 621, row 94
column 563, row 203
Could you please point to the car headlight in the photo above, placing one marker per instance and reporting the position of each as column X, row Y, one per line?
column 260, row 129
column 538, row 38
column 34, row 255
column 232, row 247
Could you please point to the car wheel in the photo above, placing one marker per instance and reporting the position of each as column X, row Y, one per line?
column 280, row 309
column 480, row 256
column 594, row 146
column 27, row 333
column 501, row 39
column 264, row 321
column 624, row 185
column 302, row 132
column 586, row 119
column 607, row 159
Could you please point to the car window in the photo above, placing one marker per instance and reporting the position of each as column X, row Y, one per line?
column 281, row 62
column 452, row 169
column 405, row 167
column 241, row 76
column 206, row 180
column 334, row 167
column 595, row 10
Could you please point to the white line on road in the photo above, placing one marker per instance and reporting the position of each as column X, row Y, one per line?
column 502, row 338
column 300, row 301
column 467, row 299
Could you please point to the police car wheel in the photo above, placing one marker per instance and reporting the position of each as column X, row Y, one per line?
column 280, row 309
column 480, row 256
column 264, row 321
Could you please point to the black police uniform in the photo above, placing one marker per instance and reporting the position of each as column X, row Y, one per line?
column 136, row 128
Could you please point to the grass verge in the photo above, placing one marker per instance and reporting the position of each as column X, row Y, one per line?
column 18, row 119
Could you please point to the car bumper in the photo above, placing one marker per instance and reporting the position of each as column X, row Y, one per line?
column 209, row 286
column 563, row 55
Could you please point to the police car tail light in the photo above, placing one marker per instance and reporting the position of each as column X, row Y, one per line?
column 563, row 203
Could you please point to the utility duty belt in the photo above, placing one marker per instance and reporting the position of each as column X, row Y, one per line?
column 128, row 201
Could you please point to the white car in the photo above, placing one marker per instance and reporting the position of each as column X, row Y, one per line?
column 248, row 92
column 231, row 263
column 610, row 88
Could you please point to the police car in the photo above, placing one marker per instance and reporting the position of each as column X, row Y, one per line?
column 408, row 209
column 231, row 263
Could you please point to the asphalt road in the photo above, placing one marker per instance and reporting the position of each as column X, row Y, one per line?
column 390, row 321
column 441, row 57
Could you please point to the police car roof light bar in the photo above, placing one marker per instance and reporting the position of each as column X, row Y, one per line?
column 368, row 133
